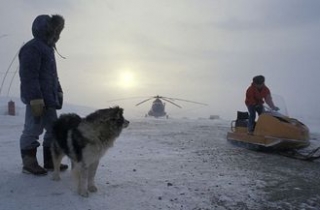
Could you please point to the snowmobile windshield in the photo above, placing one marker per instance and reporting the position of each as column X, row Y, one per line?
column 279, row 102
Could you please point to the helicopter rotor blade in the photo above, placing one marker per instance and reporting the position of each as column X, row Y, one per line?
column 178, row 99
column 144, row 101
column 128, row 98
column 168, row 100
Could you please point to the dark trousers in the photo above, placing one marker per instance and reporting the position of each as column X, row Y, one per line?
column 253, row 109
column 34, row 127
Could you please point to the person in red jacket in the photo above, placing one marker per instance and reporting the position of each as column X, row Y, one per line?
column 256, row 95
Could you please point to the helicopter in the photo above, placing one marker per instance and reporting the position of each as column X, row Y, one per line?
column 158, row 106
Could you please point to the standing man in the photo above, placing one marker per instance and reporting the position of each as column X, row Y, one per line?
column 40, row 92
column 256, row 95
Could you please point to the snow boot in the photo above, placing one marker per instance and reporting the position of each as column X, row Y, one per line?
column 47, row 160
column 30, row 163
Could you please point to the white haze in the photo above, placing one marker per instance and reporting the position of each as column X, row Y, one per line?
column 206, row 51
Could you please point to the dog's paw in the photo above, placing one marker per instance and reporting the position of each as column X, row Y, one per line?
column 83, row 193
column 92, row 188
column 55, row 177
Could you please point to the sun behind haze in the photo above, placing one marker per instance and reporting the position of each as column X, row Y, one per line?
column 126, row 79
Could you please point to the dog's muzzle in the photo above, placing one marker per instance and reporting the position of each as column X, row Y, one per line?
column 125, row 123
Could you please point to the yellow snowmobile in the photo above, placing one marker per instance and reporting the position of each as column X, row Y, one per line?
column 273, row 131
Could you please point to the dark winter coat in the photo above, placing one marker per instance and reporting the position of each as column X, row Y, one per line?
column 38, row 71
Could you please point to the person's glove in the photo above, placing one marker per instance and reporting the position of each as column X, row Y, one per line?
column 37, row 107
column 275, row 108
column 60, row 98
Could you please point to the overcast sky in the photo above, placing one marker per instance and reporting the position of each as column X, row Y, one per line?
column 200, row 50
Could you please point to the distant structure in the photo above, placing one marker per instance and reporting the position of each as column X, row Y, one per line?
column 214, row 117
column 11, row 108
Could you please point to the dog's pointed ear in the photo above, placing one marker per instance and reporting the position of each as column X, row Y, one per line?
column 118, row 111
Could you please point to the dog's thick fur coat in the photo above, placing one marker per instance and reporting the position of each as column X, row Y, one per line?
column 85, row 141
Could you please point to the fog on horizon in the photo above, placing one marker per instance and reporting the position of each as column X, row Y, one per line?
column 205, row 51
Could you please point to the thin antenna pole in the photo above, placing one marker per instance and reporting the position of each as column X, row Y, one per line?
column 3, row 35
column 4, row 78
column 14, row 74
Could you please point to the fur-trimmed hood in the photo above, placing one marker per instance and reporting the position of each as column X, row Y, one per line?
column 48, row 28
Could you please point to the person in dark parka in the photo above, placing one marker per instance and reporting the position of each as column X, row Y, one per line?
column 41, row 91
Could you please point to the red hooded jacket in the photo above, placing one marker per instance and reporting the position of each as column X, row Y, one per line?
column 254, row 96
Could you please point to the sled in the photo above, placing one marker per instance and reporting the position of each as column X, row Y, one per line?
column 272, row 132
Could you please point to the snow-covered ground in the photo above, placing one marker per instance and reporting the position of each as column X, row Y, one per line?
column 165, row 164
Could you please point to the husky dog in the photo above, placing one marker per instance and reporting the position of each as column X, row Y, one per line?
column 85, row 141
